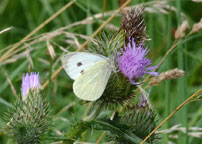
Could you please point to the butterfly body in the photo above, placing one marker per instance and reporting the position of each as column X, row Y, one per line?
column 90, row 71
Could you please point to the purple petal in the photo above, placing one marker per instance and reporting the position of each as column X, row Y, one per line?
column 133, row 62
column 31, row 81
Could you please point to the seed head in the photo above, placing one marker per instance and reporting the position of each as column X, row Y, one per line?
column 133, row 25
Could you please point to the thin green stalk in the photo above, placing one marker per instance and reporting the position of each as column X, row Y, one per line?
column 182, row 117
column 185, row 96
column 167, row 84
column 89, row 29
column 151, row 32
column 25, row 5
column 50, row 86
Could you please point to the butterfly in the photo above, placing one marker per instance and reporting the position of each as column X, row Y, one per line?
column 90, row 71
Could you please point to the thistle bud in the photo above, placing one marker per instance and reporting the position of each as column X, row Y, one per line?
column 29, row 120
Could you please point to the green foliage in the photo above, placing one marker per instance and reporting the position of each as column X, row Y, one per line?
column 25, row 16
column 120, row 131
column 138, row 122
column 123, row 129
column 141, row 122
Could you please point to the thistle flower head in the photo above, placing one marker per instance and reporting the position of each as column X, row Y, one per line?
column 133, row 62
column 31, row 81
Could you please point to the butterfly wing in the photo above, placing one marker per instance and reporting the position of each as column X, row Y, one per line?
column 76, row 62
column 91, row 84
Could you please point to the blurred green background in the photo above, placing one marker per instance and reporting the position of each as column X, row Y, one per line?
column 24, row 16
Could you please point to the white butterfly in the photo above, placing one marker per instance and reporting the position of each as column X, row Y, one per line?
column 90, row 71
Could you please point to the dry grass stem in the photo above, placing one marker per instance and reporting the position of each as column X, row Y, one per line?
column 64, row 109
column 171, row 74
column 101, row 137
column 42, row 38
column 18, row 56
column 197, row 0
column 8, row 61
column 5, row 30
column 74, row 41
column 50, row 49
column 29, row 58
column 8, row 53
column 112, row 27
column 10, row 83
column 180, row 32
column 168, row 117
column 44, row 61
column 52, row 77
column 103, row 10
column 193, row 131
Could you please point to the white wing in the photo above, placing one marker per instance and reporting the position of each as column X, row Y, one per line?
column 76, row 62
column 91, row 84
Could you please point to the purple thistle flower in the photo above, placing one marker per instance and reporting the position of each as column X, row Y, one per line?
column 31, row 81
column 133, row 62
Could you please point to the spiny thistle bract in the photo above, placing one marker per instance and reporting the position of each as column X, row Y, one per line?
column 140, row 122
column 30, row 118
column 118, row 92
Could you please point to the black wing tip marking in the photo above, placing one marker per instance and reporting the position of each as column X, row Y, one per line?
column 79, row 64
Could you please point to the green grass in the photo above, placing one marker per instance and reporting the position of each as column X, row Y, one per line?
column 24, row 16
